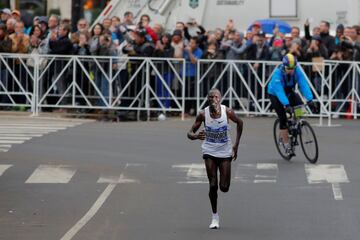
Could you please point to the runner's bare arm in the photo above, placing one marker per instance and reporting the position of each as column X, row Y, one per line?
column 192, row 135
column 239, row 127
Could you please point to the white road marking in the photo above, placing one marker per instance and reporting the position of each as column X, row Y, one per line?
column 20, row 135
column 327, row 173
column 192, row 182
column 5, row 146
column 38, row 124
column 33, row 128
column 52, row 174
column 116, row 179
column 267, row 166
column 11, row 141
column 4, row 167
column 337, row 191
column 97, row 205
column 14, row 137
column 22, row 131
column 250, row 173
column 135, row 165
column 264, row 181
column 195, row 173
column 18, row 130
column 91, row 213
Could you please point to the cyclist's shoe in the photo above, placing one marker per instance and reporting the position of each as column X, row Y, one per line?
column 214, row 223
column 290, row 152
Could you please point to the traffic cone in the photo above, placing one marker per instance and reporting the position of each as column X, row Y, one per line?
column 349, row 110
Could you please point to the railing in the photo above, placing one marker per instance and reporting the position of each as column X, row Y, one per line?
column 17, row 81
column 159, row 84
column 88, row 82
column 244, row 83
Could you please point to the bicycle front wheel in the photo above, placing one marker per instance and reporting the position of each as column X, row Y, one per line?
column 278, row 142
column 309, row 142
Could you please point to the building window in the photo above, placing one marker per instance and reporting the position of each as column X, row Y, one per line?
column 283, row 9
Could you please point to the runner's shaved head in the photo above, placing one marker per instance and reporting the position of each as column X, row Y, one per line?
column 215, row 90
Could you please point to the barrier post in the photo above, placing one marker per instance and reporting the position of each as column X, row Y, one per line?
column 36, row 90
column 183, row 89
column 147, row 86
column 231, row 85
column 352, row 100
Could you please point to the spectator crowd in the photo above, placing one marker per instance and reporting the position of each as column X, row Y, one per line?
column 189, row 40
column 51, row 35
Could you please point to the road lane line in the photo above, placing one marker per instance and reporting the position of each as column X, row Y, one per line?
column 337, row 191
column 94, row 208
column 91, row 213
column 4, row 167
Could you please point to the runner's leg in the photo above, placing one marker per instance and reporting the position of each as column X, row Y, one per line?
column 225, row 175
column 211, row 170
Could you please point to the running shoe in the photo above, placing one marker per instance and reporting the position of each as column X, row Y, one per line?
column 214, row 223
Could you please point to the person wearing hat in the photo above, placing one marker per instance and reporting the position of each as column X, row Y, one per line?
column 140, row 47
column 316, row 49
column 339, row 33
column 16, row 15
column 43, row 22
column 5, row 15
column 277, row 50
column 256, row 28
column 258, row 50
column 177, row 43
column 281, row 90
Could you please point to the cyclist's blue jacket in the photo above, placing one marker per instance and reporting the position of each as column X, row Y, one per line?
column 282, row 84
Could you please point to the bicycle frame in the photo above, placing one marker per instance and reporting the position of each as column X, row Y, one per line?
column 294, row 126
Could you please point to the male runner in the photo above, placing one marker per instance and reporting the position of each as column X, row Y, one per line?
column 217, row 149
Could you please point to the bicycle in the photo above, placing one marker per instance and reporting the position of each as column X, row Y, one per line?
column 297, row 127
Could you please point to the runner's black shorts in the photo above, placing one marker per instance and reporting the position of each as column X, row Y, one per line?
column 216, row 159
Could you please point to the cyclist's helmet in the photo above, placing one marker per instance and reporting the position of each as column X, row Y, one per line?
column 289, row 61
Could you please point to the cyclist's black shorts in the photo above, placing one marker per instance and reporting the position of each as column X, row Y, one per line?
column 294, row 100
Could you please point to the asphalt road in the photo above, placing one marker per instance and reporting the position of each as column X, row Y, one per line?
column 145, row 180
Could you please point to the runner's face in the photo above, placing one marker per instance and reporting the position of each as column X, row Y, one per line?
column 214, row 100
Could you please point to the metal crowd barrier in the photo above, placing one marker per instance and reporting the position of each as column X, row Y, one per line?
column 37, row 82
column 244, row 83
column 17, row 81
column 90, row 82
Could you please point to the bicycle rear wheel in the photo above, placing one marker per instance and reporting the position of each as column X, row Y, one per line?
column 278, row 143
column 309, row 142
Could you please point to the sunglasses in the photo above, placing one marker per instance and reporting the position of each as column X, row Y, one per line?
column 289, row 68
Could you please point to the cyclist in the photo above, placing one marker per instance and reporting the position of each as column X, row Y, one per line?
column 281, row 90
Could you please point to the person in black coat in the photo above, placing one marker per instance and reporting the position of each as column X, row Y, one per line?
column 60, row 44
